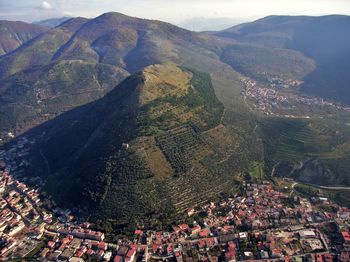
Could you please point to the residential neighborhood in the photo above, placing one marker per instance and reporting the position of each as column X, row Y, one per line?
column 261, row 224
column 278, row 98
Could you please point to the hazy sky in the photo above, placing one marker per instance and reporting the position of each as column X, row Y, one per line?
column 172, row 11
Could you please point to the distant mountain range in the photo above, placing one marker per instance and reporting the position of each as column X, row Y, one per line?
column 52, row 22
column 136, row 118
column 201, row 24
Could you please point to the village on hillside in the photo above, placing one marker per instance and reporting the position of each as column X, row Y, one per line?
column 278, row 98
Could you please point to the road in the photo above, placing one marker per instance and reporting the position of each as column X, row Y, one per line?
column 322, row 187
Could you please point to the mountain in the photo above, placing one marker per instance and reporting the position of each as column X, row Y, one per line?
column 112, row 38
column 133, row 43
column 52, row 22
column 41, row 50
column 15, row 34
column 201, row 24
column 129, row 44
column 183, row 148
column 264, row 63
column 120, row 43
column 325, row 40
column 150, row 147
column 34, row 95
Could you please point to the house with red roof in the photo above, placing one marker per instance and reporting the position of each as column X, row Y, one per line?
column 230, row 256
column 100, row 252
column 195, row 230
column 130, row 256
column 346, row 236
column 65, row 240
column 90, row 252
column 319, row 258
column 118, row 258
column 79, row 253
column 201, row 244
column 328, row 257
column 138, row 232
column 102, row 245
column 205, row 232
column 184, row 227
column 211, row 241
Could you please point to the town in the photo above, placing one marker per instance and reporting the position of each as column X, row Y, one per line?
column 279, row 98
column 260, row 224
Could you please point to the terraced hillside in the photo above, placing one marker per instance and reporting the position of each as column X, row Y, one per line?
column 153, row 147
column 314, row 151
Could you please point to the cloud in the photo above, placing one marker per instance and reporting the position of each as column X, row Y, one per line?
column 46, row 5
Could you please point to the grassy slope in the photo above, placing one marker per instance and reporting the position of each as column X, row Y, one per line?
column 296, row 140
column 263, row 62
column 38, row 94
column 15, row 34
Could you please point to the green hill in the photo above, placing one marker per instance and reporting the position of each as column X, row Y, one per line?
column 171, row 120
column 38, row 94
column 263, row 63
column 314, row 151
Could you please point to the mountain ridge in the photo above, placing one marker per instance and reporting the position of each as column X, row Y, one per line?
column 112, row 39
column 52, row 22
column 13, row 34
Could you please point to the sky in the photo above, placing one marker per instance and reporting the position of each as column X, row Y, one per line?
column 173, row 11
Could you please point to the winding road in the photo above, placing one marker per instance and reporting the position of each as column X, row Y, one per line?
column 322, row 187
